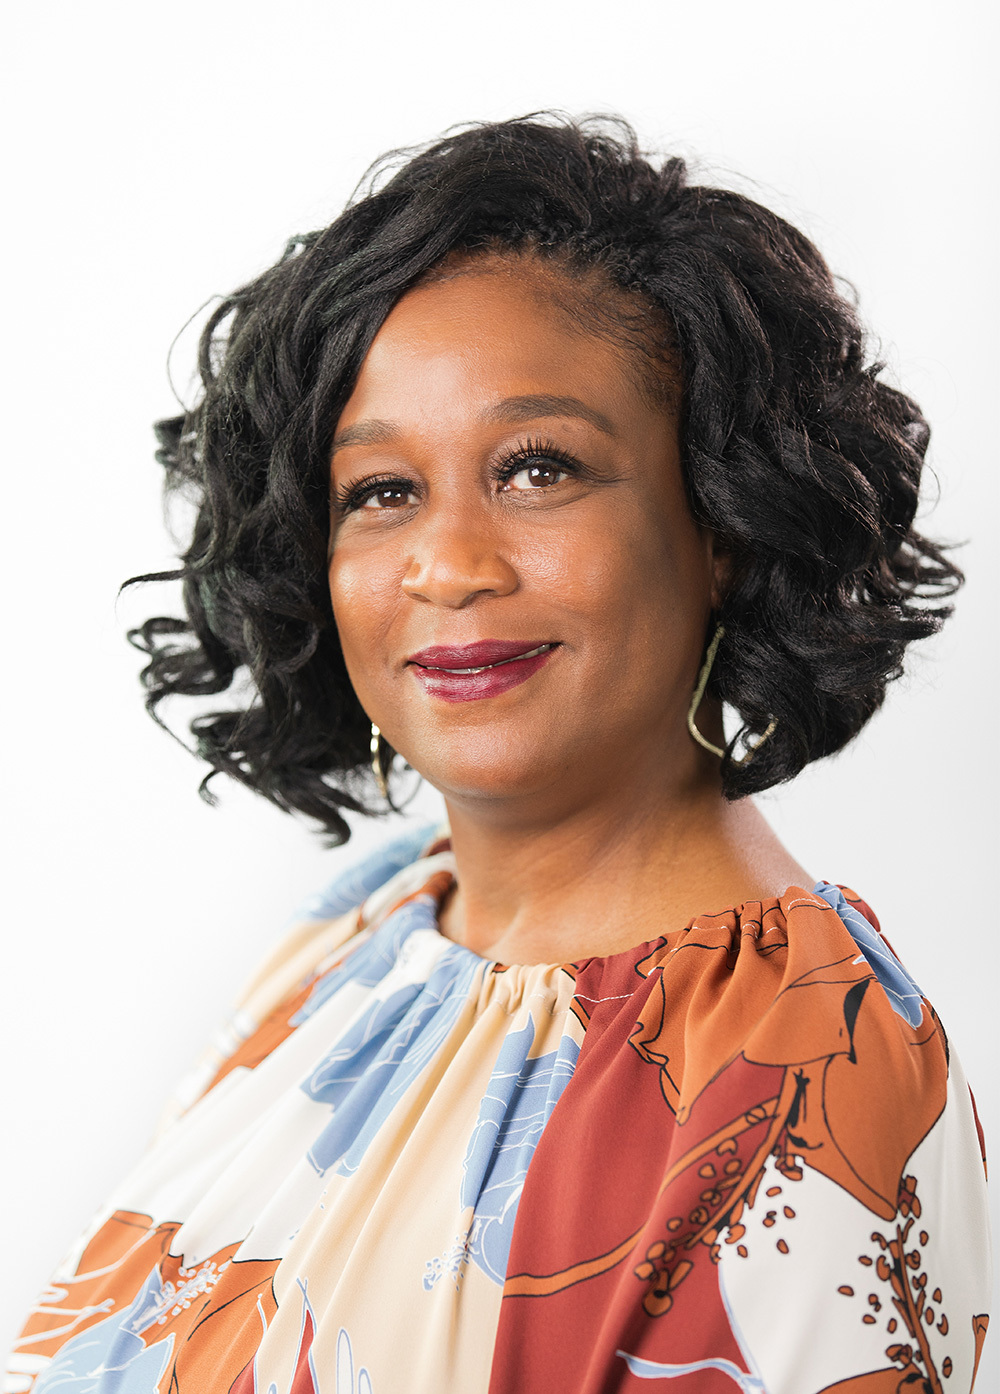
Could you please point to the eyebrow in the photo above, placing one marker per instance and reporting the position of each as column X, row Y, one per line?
column 509, row 410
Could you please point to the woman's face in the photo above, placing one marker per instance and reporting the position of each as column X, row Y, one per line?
column 520, row 590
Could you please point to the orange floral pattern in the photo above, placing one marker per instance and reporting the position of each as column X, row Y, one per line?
column 205, row 1316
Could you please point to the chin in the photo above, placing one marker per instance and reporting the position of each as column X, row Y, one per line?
column 483, row 771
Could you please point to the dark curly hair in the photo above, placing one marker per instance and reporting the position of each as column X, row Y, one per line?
column 803, row 462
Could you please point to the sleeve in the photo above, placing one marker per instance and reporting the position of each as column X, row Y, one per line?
column 766, row 1174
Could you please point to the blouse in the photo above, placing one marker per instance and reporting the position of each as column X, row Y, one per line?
column 737, row 1158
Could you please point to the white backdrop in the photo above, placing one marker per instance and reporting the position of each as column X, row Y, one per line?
column 158, row 155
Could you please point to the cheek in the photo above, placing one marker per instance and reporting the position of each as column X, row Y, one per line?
column 619, row 569
column 362, row 585
column 640, row 595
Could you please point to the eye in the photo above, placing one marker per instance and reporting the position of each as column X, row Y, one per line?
column 374, row 495
column 387, row 496
column 537, row 476
column 536, row 465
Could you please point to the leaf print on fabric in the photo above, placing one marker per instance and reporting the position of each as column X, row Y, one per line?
column 363, row 964
column 660, row 1152
column 772, row 1043
column 131, row 1296
column 355, row 884
column 347, row 1381
column 372, row 961
column 518, row 1103
column 113, row 1347
column 783, row 1016
column 223, row 1296
column 400, row 1031
column 813, row 1115
column 112, row 1267
column 246, row 1381
column 903, row 994
column 516, row 1106
column 304, row 1379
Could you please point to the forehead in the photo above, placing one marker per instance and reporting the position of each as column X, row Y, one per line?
column 485, row 324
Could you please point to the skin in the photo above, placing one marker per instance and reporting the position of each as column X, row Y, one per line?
column 584, row 818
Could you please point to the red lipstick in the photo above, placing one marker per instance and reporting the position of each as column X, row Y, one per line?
column 472, row 671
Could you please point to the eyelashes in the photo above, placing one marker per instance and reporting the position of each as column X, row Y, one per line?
column 534, row 451
column 351, row 497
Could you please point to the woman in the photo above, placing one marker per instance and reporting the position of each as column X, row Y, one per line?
column 522, row 469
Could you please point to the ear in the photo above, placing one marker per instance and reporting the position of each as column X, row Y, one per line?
column 721, row 569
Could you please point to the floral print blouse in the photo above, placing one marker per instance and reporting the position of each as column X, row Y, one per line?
column 737, row 1158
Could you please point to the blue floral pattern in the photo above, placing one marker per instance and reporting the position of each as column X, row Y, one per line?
column 112, row 1354
column 899, row 987
column 383, row 1051
column 518, row 1103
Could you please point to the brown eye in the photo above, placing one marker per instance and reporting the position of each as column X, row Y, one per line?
column 537, row 476
column 388, row 496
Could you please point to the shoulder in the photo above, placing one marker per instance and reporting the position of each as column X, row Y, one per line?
column 801, row 999
column 355, row 884
column 767, row 1116
column 344, row 909
column 324, row 929
column 804, row 977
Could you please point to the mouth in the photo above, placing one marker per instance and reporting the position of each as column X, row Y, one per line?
column 475, row 671
column 475, row 658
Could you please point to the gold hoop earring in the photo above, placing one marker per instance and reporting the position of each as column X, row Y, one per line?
column 698, row 694
column 377, row 769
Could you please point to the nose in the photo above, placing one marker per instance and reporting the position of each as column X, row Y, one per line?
column 458, row 557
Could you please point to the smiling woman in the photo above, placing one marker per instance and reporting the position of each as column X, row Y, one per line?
column 523, row 468
column 518, row 493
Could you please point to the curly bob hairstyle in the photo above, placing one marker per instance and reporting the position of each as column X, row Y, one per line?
column 803, row 463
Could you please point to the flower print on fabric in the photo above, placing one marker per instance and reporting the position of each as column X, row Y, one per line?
column 114, row 1345
column 132, row 1316
column 774, row 1050
column 414, row 1003
column 518, row 1103
column 353, row 886
column 737, row 1158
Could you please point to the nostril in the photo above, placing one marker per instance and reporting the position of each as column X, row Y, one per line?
column 451, row 579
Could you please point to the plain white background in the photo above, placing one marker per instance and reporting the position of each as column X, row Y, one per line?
column 157, row 156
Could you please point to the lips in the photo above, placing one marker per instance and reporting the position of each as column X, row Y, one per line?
column 482, row 655
column 474, row 671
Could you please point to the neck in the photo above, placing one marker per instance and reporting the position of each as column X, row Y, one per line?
column 641, row 856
